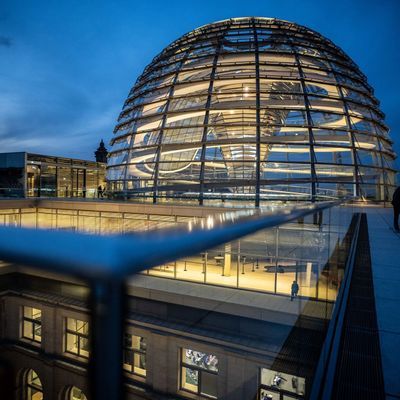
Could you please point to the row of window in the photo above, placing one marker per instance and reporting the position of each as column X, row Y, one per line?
column 198, row 370
column 33, row 388
column 77, row 340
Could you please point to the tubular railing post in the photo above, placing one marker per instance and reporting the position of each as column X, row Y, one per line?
column 106, row 332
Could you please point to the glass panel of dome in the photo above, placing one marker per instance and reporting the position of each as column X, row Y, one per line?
column 234, row 47
column 371, row 192
column 314, row 62
column 287, row 153
column 333, row 154
column 369, row 158
column 321, row 89
column 140, row 170
column 149, row 109
column 284, row 171
column 145, row 154
column 117, row 158
column 288, row 117
column 361, row 111
column 121, row 143
column 245, row 97
column 191, row 89
column 231, row 59
column 276, row 58
column 333, row 137
column 186, row 103
column 194, row 75
column 328, row 120
column 388, row 163
column 146, row 138
column 148, row 97
column 328, row 191
column 342, row 172
column 194, row 62
column 245, row 71
column 355, row 95
column 277, row 71
column 326, row 104
column 192, row 118
column 182, row 135
column 116, row 173
column 361, row 124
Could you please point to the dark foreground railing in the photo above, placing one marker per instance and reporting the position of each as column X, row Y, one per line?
column 105, row 262
column 325, row 372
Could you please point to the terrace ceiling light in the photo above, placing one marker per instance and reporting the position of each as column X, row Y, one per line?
column 253, row 110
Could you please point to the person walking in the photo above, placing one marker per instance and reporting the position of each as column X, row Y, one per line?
column 99, row 192
column 294, row 291
column 396, row 209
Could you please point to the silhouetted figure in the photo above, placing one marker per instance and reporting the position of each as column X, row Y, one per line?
column 101, row 153
column 295, row 290
column 396, row 209
column 100, row 192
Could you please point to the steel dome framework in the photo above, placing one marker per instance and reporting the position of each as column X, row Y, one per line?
column 251, row 109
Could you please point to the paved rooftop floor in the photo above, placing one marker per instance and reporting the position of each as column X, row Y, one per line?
column 385, row 255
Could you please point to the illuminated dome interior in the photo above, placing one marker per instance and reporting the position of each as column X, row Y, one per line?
column 251, row 109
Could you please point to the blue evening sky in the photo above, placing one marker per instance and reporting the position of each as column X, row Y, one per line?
column 67, row 66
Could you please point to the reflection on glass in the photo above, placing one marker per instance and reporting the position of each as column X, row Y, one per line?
column 278, row 385
column 199, row 372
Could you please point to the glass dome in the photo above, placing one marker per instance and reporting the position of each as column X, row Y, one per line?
column 252, row 110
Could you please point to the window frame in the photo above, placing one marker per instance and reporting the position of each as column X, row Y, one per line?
column 280, row 392
column 34, row 324
column 200, row 372
column 78, row 335
column 133, row 351
column 29, row 386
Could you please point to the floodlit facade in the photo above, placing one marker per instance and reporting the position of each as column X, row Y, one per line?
column 251, row 109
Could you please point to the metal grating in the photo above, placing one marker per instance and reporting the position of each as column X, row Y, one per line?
column 359, row 368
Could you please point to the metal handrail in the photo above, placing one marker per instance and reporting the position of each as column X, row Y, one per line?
column 105, row 262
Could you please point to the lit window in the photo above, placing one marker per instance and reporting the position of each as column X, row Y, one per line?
column 135, row 354
column 280, row 386
column 199, row 373
column 77, row 337
column 76, row 394
column 33, row 386
column 32, row 324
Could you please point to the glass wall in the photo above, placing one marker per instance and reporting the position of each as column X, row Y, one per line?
column 295, row 259
column 12, row 174
column 63, row 177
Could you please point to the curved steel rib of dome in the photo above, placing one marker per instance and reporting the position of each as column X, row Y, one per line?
column 251, row 109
